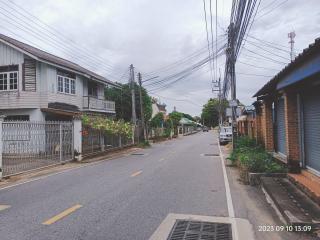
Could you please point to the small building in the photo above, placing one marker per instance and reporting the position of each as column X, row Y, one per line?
column 158, row 107
column 38, row 86
column 288, row 116
column 246, row 122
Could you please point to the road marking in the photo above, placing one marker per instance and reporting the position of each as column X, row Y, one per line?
column 228, row 193
column 161, row 159
column 62, row 215
column 3, row 207
column 136, row 173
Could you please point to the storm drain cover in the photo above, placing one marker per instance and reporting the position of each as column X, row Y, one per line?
column 137, row 154
column 211, row 154
column 195, row 230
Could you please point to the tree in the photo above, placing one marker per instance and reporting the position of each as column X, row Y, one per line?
column 157, row 121
column 210, row 112
column 122, row 98
column 197, row 119
column 175, row 117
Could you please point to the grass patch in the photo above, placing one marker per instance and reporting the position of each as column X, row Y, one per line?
column 144, row 144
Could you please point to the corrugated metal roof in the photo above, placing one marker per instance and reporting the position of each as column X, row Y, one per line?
column 44, row 56
column 271, row 85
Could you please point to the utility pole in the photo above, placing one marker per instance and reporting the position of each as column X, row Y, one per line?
column 292, row 35
column 232, row 61
column 133, row 98
column 141, row 108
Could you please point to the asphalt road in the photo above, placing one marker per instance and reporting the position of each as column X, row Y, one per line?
column 126, row 198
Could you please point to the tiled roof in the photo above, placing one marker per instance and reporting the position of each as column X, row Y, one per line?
column 162, row 107
column 42, row 55
column 269, row 86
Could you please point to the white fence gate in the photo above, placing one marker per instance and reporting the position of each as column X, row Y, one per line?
column 29, row 145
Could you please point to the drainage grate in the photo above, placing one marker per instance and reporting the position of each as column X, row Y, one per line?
column 137, row 154
column 211, row 154
column 192, row 230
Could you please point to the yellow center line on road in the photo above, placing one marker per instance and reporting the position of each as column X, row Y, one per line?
column 3, row 207
column 136, row 173
column 161, row 159
column 62, row 215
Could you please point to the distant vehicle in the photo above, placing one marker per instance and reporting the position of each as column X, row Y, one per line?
column 225, row 135
column 205, row 129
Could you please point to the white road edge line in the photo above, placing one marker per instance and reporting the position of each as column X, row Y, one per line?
column 228, row 194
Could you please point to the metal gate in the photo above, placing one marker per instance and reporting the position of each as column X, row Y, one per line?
column 281, row 129
column 311, row 120
column 30, row 145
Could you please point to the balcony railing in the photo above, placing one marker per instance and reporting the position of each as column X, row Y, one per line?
column 100, row 105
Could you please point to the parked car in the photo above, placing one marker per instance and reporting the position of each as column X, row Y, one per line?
column 225, row 135
column 205, row 129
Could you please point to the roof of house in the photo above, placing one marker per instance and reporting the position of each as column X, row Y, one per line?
column 186, row 121
column 161, row 107
column 307, row 52
column 50, row 58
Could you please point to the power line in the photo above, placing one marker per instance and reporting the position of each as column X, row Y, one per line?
column 205, row 18
column 49, row 33
column 272, row 53
column 249, row 74
column 277, row 6
column 264, row 56
column 248, row 64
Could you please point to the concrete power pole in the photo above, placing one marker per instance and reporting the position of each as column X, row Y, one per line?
column 141, row 108
column 292, row 35
column 133, row 98
column 231, row 55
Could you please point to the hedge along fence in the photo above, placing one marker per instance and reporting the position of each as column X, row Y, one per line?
column 100, row 134
column 252, row 158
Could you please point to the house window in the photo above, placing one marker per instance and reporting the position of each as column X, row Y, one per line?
column 8, row 81
column 60, row 84
column 66, row 85
column 92, row 89
column 73, row 86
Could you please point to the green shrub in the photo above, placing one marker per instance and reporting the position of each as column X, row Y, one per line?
column 253, row 157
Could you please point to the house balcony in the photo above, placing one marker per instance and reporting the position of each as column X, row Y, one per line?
column 95, row 104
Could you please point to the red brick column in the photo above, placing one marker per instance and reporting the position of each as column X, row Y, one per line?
column 258, row 131
column 292, row 131
column 267, row 125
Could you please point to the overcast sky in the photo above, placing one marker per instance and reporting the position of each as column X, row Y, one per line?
column 107, row 36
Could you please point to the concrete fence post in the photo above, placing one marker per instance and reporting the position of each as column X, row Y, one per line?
column 120, row 142
column 77, row 137
column 101, row 135
column 1, row 146
column 61, row 142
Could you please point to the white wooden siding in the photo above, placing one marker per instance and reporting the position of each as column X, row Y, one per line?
column 9, row 56
column 46, row 85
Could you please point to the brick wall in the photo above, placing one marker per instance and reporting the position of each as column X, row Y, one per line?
column 292, row 131
column 267, row 125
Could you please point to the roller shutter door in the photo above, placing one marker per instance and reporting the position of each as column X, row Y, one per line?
column 311, row 118
column 281, row 130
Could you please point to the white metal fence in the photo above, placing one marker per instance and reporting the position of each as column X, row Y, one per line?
column 29, row 145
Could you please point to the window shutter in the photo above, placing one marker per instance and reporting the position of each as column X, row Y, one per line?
column 29, row 75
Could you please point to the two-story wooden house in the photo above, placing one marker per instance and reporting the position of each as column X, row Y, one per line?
column 38, row 86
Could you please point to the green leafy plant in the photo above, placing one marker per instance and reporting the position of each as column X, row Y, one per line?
column 253, row 158
column 110, row 126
